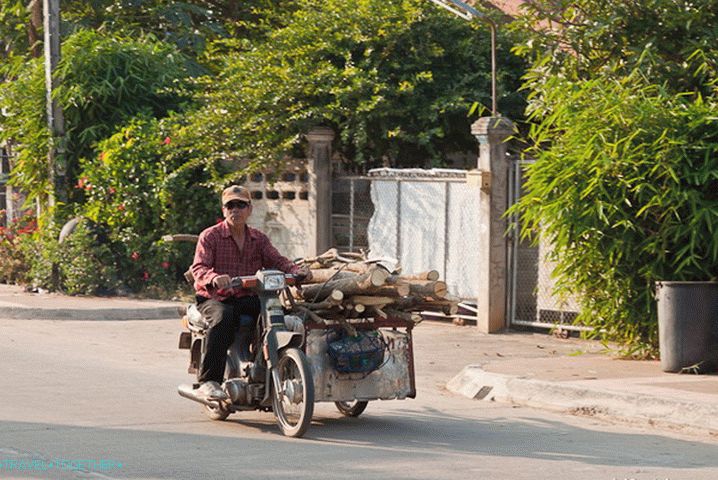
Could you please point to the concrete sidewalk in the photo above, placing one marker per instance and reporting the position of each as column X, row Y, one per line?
column 589, row 382
column 530, row 369
column 15, row 302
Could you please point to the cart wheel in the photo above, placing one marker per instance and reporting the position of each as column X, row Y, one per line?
column 351, row 409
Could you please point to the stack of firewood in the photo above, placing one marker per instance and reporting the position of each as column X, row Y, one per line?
column 349, row 286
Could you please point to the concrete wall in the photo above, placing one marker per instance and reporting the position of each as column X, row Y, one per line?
column 282, row 209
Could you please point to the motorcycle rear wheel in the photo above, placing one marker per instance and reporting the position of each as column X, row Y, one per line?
column 351, row 409
column 293, row 407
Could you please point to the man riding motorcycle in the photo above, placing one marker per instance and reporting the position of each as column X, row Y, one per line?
column 230, row 249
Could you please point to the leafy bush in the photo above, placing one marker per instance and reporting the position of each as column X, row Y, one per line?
column 14, row 266
column 625, row 187
column 86, row 266
column 142, row 187
column 106, row 80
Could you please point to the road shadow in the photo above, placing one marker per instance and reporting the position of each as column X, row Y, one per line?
column 427, row 443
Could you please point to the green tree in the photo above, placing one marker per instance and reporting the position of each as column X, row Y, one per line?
column 394, row 78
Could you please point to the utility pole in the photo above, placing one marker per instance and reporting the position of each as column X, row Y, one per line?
column 467, row 12
column 55, row 119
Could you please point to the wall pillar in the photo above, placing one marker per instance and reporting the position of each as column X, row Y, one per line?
column 320, row 189
column 493, row 179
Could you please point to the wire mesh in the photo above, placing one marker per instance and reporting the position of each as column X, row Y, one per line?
column 352, row 209
column 533, row 298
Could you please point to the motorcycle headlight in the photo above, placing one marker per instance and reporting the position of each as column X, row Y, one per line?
column 273, row 282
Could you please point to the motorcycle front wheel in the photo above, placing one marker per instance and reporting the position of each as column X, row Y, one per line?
column 294, row 405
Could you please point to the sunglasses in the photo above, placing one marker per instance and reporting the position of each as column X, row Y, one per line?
column 236, row 204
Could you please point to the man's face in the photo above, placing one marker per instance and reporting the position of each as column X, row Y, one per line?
column 237, row 212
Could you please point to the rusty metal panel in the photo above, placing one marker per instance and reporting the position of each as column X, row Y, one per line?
column 393, row 380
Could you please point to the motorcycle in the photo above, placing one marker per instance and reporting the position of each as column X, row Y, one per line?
column 269, row 374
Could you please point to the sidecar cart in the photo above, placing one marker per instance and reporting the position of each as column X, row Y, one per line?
column 360, row 360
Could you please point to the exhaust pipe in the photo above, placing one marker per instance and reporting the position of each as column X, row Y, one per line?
column 187, row 391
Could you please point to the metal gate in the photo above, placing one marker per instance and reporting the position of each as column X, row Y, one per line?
column 532, row 302
column 352, row 209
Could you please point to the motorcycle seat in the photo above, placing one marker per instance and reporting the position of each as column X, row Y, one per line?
column 195, row 318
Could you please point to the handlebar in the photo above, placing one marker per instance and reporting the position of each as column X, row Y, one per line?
column 251, row 281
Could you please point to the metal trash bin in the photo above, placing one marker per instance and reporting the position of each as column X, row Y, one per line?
column 687, row 323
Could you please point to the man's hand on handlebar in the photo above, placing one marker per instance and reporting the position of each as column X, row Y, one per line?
column 221, row 282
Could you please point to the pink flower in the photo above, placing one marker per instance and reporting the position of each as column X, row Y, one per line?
column 167, row 140
column 121, row 207
column 145, row 276
column 135, row 256
column 111, row 190
column 165, row 265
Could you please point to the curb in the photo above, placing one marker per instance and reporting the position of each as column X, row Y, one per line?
column 473, row 382
column 113, row 314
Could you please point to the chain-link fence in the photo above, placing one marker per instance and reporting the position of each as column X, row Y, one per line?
column 352, row 209
column 533, row 301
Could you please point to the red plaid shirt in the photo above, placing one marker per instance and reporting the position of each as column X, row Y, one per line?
column 217, row 254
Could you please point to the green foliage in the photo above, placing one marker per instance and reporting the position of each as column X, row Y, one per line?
column 14, row 21
column 141, row 187
column 85, row 265
column 14, row 266
column 584, row 38
column 23, row 107
column 624, row 103
column 625, row 186
column 105, row 82
column 80, row 265
column 394, row 78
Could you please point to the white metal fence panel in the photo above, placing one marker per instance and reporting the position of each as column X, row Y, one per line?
column 426, row 220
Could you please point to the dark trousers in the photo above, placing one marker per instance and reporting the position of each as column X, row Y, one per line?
column 225, row 320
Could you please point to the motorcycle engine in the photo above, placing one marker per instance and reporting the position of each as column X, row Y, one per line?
column 237, row 391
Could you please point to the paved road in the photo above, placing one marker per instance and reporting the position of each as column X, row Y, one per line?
column 106, row 391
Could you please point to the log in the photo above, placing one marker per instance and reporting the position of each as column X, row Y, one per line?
column 361, row 267
column 447, row 308
column 321, row 275
column 431, row 275
column 406, row 316
column 313, row 316
column 434, row 289
column 406, row 303
column 357, row 307
column 355, row 255
column 357, row 267
column 375, row 277
column 370, row 300
column 398, row 290
column 327, row 303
